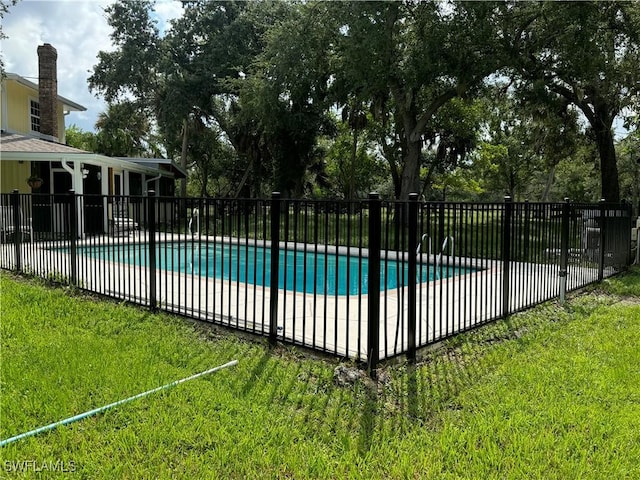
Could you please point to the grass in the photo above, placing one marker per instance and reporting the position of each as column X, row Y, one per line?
column 553, row 392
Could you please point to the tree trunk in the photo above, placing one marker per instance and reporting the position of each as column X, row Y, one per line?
column 183, row 158
column 204, row 171
column 413, row 127
column 411, row 170
column 549, row 184
column 352, row 174
column 608, row 163
column 390, row 155
column 601, row 121
column 411, row 146
column 247, row 172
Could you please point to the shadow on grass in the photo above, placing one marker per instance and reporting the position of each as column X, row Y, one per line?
column 625, row 284
column 257, row 372
column 416, row 394
column 405, row 396
column 368, row 418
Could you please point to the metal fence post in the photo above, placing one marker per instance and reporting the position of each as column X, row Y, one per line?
column 630, row 225
column 506, row 255
column 527, row 229
column 373, row 286
column 413, row 260
column 17, row 229
column 275, row 266
column 151, row 227
column 564, row 249
column 603, row 214
column 73, row 236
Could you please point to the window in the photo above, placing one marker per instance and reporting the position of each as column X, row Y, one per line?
column 34, row 115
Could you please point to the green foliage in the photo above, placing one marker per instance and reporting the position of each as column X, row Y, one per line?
column 577, row 177
column 352, row 168
column 549, row 393
column 129, row 70
column 123, row 130
column 451, row 139
column 216, row 172
column 246, row 93
column 629, row 167
column 527, row 151
column 284, row 93
column 406, row 61
column 78, row 138
column 582, row 53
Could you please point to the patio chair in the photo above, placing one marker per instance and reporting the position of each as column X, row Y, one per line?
column 8, row 227
column 121, row 222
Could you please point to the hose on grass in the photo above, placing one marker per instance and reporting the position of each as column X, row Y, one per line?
column 95, row 411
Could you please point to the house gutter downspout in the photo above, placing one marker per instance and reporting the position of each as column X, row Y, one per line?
column 148, row 181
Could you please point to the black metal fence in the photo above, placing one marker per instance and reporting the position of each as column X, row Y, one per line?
column 367, row 280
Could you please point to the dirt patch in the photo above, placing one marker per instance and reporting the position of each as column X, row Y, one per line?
column 629, row 302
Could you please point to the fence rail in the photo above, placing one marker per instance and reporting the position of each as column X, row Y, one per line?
column 368, row 280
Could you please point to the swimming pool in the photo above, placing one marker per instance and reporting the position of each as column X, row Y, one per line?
column 300, row 271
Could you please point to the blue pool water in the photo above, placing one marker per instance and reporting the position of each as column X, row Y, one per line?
column 299, row 271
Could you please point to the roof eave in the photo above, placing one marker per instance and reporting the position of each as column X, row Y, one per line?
column 90, row 158
column 177, row 169
column 67, row 104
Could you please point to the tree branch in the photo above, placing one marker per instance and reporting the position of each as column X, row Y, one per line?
column 438, row 102
column 572, row 97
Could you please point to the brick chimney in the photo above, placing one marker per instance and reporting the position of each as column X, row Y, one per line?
column 48, row 90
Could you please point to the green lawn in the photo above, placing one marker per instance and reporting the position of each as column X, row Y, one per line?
column 550, row 393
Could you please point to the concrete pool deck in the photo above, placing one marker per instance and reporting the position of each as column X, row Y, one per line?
column 335, row 324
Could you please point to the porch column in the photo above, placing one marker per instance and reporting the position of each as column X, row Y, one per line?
column 125, row 187
column 78, row 187
column 104, row 191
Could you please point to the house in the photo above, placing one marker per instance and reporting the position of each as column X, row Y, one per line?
column 32, row 146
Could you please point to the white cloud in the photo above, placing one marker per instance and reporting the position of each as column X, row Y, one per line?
column 167, row 10
column 78, row 30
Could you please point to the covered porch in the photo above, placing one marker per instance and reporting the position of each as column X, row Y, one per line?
column 48, row 169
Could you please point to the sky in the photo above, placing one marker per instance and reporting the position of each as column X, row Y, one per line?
column 78, row 30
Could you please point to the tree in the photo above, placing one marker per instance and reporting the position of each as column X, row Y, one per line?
column 129, row 78
column 449, row 140
column 215, row 172
column 585, row 53
column 353, row 168
column 283, row 96
column 629, row 160
column 407, row 60
column 577, row 177
column 131, row 70
column 123, row 130
column 523, row 142
column 78, row 138
column 203, row 50
column 189, row 78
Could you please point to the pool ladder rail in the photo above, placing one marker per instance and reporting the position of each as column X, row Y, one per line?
column 448, row 242
column 194, row 213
